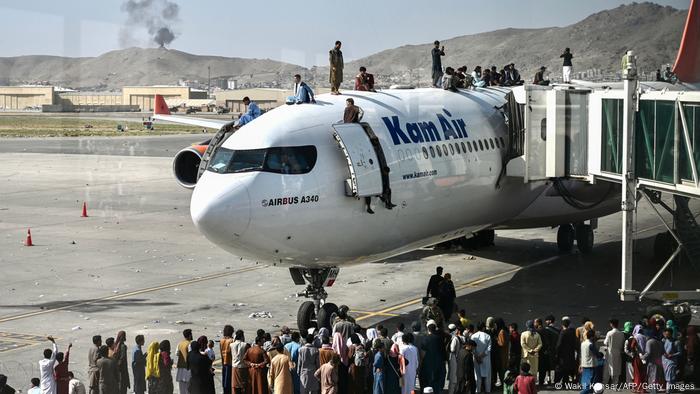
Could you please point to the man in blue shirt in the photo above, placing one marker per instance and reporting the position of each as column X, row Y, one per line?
column 252, row 113
column 302, row 92
column 138, row 366
column 292, row 348
column 378, row 367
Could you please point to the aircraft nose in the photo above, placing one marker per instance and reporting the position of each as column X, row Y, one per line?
column 220, row 207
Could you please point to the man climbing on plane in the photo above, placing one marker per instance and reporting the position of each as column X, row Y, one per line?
column 252, row 113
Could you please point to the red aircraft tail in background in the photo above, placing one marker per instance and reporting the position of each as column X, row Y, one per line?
column 161, row 108
column 687, row 66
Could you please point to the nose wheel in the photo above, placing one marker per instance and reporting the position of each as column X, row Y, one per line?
column 316, row 313
column 582, row 234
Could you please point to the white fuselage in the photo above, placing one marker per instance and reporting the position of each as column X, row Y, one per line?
column 308, row 220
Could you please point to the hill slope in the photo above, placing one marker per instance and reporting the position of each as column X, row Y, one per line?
column 137, row 66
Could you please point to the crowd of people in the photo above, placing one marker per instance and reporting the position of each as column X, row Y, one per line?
column 433, row 353
column 448, row 78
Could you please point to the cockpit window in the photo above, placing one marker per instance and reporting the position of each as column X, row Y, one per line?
column 294, row 160
column 220, row 161
column 280, row 160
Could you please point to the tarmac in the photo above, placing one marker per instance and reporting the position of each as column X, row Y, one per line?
column 137, row 263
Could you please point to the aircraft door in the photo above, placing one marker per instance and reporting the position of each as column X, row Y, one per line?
column 362, row 160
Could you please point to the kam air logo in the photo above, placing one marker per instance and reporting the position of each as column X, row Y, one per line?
column 417, row 132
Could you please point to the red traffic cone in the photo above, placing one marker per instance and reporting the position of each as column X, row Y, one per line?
column 84, row 210
column 28, row 241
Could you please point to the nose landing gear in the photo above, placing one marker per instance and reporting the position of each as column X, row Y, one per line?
column 316, row 313
column 581, row 233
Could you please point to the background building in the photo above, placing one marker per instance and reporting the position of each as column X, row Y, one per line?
column 143, row 96
column 19, row 98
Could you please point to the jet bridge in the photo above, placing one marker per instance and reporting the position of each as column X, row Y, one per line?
column 645, row 137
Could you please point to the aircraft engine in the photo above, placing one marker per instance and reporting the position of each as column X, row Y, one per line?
column 186, row 165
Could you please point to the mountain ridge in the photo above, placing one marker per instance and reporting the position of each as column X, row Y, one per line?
column 597, row 42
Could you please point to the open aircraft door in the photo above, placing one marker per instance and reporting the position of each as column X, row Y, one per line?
column 363, row 163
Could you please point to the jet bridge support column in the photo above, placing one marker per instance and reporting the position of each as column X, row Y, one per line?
column 629, row 195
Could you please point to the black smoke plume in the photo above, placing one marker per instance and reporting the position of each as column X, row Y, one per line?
column 157, row 16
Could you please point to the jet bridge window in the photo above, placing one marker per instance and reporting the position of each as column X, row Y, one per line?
column 280, row 160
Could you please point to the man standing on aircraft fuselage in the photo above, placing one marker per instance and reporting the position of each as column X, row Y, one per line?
column 436, row 53
column 335, row 58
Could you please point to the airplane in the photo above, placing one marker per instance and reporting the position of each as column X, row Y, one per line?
column 299, row 188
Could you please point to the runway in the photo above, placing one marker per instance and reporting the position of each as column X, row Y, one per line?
column 138, row 264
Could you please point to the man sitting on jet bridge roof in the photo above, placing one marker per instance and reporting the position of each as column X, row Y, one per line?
column 302, row 92
column 539, row 77
column 252, row 113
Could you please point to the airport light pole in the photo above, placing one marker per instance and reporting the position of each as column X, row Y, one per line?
column 629, row 194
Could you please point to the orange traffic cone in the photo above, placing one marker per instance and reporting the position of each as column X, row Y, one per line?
column 84, row 210
column 28, row 241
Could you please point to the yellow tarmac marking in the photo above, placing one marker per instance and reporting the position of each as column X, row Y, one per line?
column 132, row 293
column 375, row 313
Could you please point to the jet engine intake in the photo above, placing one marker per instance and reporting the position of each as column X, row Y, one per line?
column 186, row 165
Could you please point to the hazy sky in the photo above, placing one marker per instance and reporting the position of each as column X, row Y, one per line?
column 298, row 32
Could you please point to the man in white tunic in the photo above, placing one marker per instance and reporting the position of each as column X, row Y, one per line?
column 615, row 345
column 453, row 366
column 48, row 381
column 482, row 356
column 410, row 369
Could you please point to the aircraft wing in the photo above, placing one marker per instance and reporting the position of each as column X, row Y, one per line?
column 162, row 112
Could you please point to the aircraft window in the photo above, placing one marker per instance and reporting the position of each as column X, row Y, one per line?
column 417, row 157
column 425, row 152
column 503, row 143
column 402, row 156
column 444, row 149
column 291, row 160
column 481, row 145
column 432, row 152
column 457, row 147
column 281, row 160
column 464, row 147
column 439, row 151
column 246, row 160
column 220, row 160
column 452, row 149
column 469, row 145
column 491, row 142
column 498, row 145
